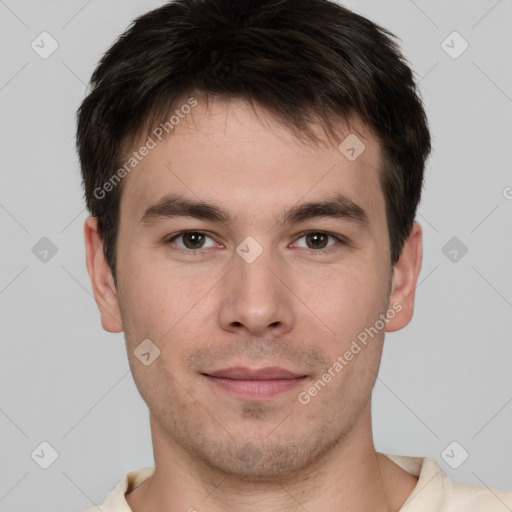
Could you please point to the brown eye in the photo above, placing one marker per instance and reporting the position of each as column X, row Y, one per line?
column 190, row 241
column 317, row 240
column 193, row 240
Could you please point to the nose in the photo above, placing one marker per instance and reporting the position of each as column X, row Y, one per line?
column 255, row 298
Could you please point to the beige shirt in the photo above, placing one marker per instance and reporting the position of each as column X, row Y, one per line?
column 434, row 492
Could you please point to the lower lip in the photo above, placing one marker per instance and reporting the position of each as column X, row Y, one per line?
column 256, row 389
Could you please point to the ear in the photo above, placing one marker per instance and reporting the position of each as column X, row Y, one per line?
column 102, row 281
column 405, row 276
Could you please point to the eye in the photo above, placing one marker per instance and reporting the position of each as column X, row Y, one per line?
column 194, row 241
column 318, row 240
column 191, row 240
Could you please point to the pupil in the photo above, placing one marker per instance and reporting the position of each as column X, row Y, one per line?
column 316, row 236
column 196, row 238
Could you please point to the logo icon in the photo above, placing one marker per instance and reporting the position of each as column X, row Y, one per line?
column 44, row 455
column 454, row 455
column 454, row 249
column 351, row 147
column 44, row 45
column 454, row 45
column 44, row 250
column 146, row 352
column 249, row 249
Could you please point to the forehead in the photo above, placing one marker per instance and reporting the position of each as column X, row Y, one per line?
column 227, row 153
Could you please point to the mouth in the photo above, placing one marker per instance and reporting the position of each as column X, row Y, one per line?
column 264, row 383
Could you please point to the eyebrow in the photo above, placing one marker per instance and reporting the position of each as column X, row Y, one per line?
column 337, row 206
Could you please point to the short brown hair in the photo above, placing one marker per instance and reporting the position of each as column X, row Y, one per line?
column 303, row 60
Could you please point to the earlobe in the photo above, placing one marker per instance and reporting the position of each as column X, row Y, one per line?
column 404, row 279
column 103, row 285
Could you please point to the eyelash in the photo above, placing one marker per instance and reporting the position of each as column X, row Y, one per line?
column 199, row 252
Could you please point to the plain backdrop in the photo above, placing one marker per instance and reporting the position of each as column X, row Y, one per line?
column 445, row 378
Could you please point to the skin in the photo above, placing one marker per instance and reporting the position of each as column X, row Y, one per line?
column 293, row 307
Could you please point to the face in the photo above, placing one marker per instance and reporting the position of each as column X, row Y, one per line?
column 254, row 280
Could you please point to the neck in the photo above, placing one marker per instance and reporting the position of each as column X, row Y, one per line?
column 351, row 476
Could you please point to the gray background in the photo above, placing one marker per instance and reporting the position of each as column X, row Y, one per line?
column 446, row 377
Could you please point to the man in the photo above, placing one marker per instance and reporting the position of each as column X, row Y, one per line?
column 253, row 169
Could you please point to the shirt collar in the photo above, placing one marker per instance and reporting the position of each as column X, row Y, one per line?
column 426, row 496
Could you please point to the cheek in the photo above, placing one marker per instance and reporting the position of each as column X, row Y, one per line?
column 360, row 330
column 345, row 297
column 153, row 296
column 166, row 308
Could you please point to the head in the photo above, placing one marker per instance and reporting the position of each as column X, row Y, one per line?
column 250, row 110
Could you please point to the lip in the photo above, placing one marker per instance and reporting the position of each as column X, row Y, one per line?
column 264, row 383
column 244, row 373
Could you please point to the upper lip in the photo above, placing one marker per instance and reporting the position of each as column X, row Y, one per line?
column 243, row 373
